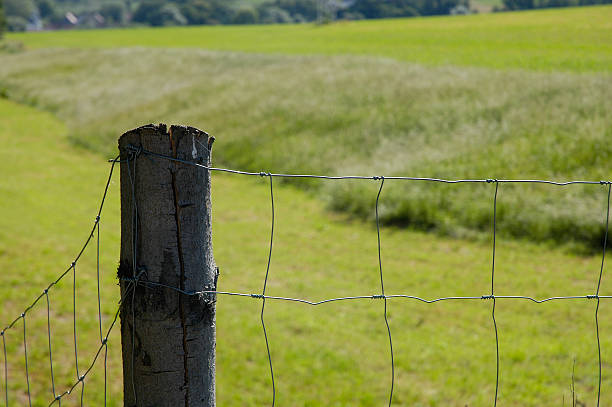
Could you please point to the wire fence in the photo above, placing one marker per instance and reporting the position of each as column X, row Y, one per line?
column 94, row 236
column 139, row 279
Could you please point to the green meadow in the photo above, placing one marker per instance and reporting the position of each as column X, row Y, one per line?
column 358, row 116
column 513, row 95
column 335, row 354
column 570, row 39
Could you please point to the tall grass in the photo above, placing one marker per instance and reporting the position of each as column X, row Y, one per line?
column 357, row 115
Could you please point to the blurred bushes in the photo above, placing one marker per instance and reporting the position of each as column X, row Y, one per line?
column 37, row 14
column 530, row 4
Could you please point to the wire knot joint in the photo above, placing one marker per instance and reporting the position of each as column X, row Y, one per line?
column 134, row 151
column 141, row 271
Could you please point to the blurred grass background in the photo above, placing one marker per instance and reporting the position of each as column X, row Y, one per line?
column 336, row 354
column 567, row 39
column 356, row 115
column 430, row 107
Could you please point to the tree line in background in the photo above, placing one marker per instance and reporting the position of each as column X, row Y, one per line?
column 2, row 19
column 21, row 15
column 532, row 4
column 51, row 14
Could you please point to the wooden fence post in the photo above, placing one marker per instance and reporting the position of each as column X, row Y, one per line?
column 168, row 338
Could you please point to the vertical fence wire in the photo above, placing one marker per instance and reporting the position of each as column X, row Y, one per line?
column 493, row 294
column 263, row 291
column 105, row 370
column 382, row 289
column 74, row 331
column 25, row 352
column 603, row 257
column 50, row 346
column 45, row 293
column 132, row 177
column 136, row 280
column 5, row 369
column 98, row 275
column 100, row 302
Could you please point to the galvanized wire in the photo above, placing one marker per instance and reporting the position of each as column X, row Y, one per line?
column 603, row 258
column 102, row 346
column 493, row 294
column 153, row 284
column 263, row 294
column 382, row 289
column 74, row 331
column 50, row 347
column 25, row 352
column 140, row 150
column 132, row 177
column 139, row 278
column 5, row 369
column 45, row 293
column 99, row 306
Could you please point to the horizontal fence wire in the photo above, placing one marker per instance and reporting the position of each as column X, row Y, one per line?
column 131, row 155
column 135, row 151
column 81, row 375
column 152, row 284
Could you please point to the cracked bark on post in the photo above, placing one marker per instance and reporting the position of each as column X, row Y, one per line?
column 168, row 338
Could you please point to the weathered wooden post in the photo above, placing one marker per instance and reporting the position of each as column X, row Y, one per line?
column 168, row 337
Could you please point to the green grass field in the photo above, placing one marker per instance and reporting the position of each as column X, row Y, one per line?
column 571, row 39
column 356, row 115
column 442, row 109
column 363, row 114
column 331, row 355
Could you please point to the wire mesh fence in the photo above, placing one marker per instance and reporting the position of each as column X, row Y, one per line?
column 138, row 278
